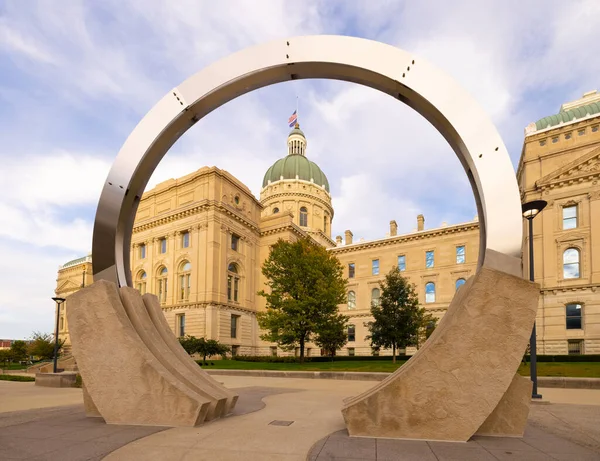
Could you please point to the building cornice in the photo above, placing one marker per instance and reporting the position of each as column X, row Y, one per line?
column 280, row 195
column 204, row 305
column 422, row 235
column 195, row 209
column 554, row 290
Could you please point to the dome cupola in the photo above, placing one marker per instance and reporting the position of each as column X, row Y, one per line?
column 295, row 165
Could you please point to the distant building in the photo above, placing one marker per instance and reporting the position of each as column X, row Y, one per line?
column 199, row 242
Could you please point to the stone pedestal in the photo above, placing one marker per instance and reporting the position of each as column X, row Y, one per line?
column 451, row 386
column 132, row 375
column 65, row 379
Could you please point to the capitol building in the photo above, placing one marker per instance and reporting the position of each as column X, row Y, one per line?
column 199, row 242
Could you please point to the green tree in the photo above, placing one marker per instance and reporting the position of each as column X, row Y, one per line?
column 306, row 284
column 189, row 343
column 398, row 320
column 202, row 346
column 212, row 347
column 19, row 350
column 333, row 335
column 6, row 356
column 42, row 345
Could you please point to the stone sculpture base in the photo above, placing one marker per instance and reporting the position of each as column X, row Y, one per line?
column 456, row 383
column 510, row 415
column 134, row 369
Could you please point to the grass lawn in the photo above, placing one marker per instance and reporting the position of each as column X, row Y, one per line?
column 572, row 369
column 13, row 366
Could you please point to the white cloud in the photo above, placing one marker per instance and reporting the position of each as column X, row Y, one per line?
column 78, row 79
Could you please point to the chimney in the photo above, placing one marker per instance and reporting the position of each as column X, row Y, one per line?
column 348, row 235
column 420, row 222
column 338, row 240
column 393, row 228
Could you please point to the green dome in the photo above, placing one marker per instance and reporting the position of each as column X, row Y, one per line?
column 568, row 115
column 296, row 165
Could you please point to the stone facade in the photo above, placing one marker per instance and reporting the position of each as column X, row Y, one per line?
column 560, row 163
column 211, row 235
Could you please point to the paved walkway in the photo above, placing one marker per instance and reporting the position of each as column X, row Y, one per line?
column 298, row 415
column 15, row 396
column 536, row 445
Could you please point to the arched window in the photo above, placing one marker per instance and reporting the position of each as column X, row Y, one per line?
column 162, row 284
column 430, row 292
column 460, row 283
column 141, row 282
column 233, row 283
column 185, row 277
column 571, row 263
column 275, row 210
column 351, row 300
column 375, row 293
column 303, row 217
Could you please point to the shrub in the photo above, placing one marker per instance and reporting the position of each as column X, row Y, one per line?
column 16, row 378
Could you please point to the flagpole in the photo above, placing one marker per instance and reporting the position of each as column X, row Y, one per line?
column 297, row 113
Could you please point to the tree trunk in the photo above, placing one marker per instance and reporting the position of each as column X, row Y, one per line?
column 204, row 359
column 393, row 353
column 302, row 350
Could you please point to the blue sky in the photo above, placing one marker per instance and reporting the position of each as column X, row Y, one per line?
column 76, row 79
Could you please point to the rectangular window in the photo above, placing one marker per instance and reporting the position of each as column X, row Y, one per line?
column 575, row 347
column 235, row 351
column 181, row 325
column 429, row 259
column 185, row 240
column 142, row 251
column 234, row 325
column 554, row 139
column 235, row 242
column 375, row 267
column 460, row 254
column 402, row 263
column 573, row 316
column 163, row 245
column 351, row 333
column 351, row 352
column 351, row 270
column 570, row 217
column 274, row 351
column 581, row 132
column 236, row 283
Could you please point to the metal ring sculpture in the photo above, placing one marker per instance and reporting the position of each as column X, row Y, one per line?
column 485, row 159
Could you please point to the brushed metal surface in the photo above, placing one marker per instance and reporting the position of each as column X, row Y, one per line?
column 402, row 75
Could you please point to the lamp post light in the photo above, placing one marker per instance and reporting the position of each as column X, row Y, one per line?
column 530, row 211
column 58, row 301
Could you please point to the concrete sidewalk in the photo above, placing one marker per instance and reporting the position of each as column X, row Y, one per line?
column 294, row 426
column 296, row 417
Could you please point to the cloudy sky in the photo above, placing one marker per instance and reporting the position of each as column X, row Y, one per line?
column 76, row 79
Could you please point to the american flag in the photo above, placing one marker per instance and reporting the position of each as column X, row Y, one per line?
column 293, row 119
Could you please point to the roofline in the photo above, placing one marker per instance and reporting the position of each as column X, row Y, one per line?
column 411, row 235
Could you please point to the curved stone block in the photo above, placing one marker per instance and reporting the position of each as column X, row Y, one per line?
column 457, row 379
column 141, row 321
column 510, row 415
column 178, row 352
column 126, row 382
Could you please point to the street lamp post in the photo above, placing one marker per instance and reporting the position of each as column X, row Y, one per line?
column 58, row 301
column 530, row 211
